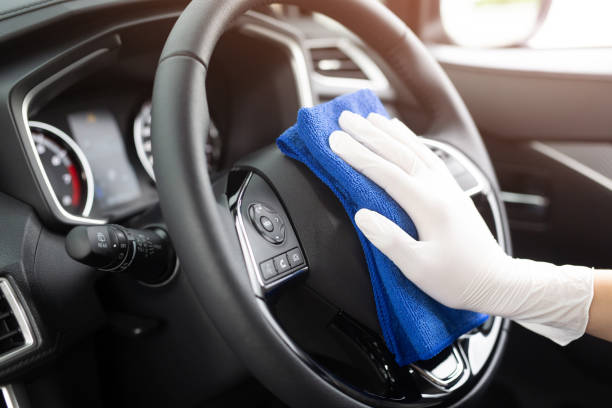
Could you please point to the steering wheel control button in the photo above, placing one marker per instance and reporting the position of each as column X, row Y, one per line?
column 268, row 223
column 277, row 222
column 295, row 257
column 268, row 271
column 275, row 256
column 278, row 238
column 282, row 263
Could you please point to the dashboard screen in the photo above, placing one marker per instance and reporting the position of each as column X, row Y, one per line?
column 98, row 135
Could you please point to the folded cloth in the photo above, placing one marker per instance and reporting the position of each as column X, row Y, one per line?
column 415, row 326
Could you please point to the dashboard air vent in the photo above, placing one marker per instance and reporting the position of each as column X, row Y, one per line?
column 11, row 336
column 15, row 332
column 333, row 62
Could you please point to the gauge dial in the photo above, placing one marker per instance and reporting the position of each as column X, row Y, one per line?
column 142, row 141
column 66, row 168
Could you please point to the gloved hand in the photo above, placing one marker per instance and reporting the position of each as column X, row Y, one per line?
column 456, row 261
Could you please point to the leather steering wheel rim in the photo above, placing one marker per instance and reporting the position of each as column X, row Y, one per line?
column 205, row 241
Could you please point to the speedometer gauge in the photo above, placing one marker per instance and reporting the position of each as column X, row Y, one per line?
column 65, row 167
column 142, row 141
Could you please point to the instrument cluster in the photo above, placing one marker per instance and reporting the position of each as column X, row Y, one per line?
column 95, row 170
column 144, row 147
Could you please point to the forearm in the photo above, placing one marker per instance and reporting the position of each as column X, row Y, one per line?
column 600, row 313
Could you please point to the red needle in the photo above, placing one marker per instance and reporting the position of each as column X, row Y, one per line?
column 76, row 185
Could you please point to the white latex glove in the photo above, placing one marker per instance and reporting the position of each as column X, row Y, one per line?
column 457, row 261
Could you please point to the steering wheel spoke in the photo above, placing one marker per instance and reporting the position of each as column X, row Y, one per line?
column 457, row 364
column 442, row 374
column 471, row 180
column 269, row 244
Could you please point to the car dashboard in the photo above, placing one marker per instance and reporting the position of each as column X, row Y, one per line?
column 88, row 129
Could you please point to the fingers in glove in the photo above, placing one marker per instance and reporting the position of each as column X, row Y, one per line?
column 380, row 142
column 387, row 175
column 389, row 238
column 403, row 134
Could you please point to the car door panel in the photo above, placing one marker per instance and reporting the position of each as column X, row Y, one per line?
column 546, row 124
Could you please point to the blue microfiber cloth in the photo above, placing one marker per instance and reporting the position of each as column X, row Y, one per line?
column 415, row 326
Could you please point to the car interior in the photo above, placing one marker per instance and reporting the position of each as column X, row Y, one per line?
column 158, row 250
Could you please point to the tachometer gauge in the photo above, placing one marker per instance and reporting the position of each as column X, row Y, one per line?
column 142, row 141
column 66, row 168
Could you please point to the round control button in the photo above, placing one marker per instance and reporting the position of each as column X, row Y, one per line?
column 266, row 223
column 278, row 238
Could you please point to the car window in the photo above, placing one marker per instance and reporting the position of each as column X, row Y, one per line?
column 531, row 23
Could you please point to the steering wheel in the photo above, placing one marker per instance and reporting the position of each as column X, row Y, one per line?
column 309, row 332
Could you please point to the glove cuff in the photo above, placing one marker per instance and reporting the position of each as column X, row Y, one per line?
column 557, row 300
